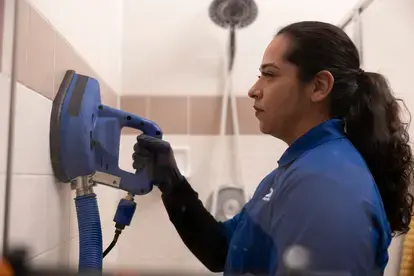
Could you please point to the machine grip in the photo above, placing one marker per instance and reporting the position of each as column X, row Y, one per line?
column 108, row 133
column 133, row 121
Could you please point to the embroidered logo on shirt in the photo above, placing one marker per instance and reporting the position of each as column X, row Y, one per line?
column 268, row 196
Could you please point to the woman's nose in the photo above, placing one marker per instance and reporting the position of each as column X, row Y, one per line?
column 254, row 93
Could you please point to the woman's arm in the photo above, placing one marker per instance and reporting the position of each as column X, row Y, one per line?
column 206, row 238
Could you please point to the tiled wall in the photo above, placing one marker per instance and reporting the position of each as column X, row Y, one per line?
column 2, row 4
column 193, row 115
column 43, row 56
column 42, row 211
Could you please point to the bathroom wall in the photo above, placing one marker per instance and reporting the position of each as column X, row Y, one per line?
column 94, row 28
column 173, row 74
column 42, row 211
column 4, row 112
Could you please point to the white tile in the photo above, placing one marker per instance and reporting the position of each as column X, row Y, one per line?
column 4, row 119
column 2, row 196
column 74, row 253
column 109, row 262
column 39, row 215
column 125, row 152
column 57, row 257
column 31, row 140
column 152, row 242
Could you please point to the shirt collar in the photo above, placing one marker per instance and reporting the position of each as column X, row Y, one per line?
column 325, row 132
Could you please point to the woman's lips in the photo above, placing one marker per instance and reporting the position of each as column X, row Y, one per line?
column 258, row 110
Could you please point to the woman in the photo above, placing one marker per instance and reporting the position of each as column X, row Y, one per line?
column 341, row 188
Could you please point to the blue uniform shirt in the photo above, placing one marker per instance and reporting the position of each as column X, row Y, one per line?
column 322, row 199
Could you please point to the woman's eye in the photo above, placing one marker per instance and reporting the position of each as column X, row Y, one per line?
column 265, row 74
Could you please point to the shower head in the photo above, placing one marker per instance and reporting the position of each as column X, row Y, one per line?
column 233, row 13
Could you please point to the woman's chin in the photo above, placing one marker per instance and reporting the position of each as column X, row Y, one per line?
column 263, row 128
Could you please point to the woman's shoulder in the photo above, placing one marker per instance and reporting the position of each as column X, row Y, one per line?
column 338, row 154
column 337, row 161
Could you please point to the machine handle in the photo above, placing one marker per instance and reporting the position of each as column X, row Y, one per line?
column 108, row 133
column 133, row 121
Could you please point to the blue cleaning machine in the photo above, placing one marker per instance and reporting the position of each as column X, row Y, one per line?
column 84, row 150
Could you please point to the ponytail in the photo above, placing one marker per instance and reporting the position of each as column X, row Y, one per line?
column 375, row 127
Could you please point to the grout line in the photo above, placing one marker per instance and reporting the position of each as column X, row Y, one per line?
column 147, row 106
column 64, row 242
column 31, row 89
column 32, row 174
column 54, row 64
column 67, row 241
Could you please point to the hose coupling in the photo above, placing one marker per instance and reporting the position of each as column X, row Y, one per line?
column 83, row 185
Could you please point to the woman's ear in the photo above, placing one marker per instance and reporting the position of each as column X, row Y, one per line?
column 323, row 83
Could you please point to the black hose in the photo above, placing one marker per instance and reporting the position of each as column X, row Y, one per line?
column 113, row 243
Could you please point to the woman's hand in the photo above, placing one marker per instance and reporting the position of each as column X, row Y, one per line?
column 157, row 155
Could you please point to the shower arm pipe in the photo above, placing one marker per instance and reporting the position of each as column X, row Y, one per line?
column 224, row 107
column 358, row 35
column 222, row 132
column 360, row 7
column 237, row 171
column 229, row 63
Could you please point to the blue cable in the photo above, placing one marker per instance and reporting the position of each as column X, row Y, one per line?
column 123, row 217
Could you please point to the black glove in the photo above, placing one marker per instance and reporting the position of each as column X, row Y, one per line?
column 157, row 155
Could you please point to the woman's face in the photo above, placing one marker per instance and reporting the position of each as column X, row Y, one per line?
column 280, row 98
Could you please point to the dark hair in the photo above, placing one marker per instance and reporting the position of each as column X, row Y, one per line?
column 364, row 101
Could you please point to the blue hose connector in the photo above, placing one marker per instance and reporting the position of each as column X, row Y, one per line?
column 124, row 213
column 90, row 233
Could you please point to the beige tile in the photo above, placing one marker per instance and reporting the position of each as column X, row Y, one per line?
column 2, row 16
column 204, row 115
column 229, row 119
column 137, row 105
column 66, row 58
column 248, row 122
column 22, row 41
column 170, row 113
column 40, row 55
